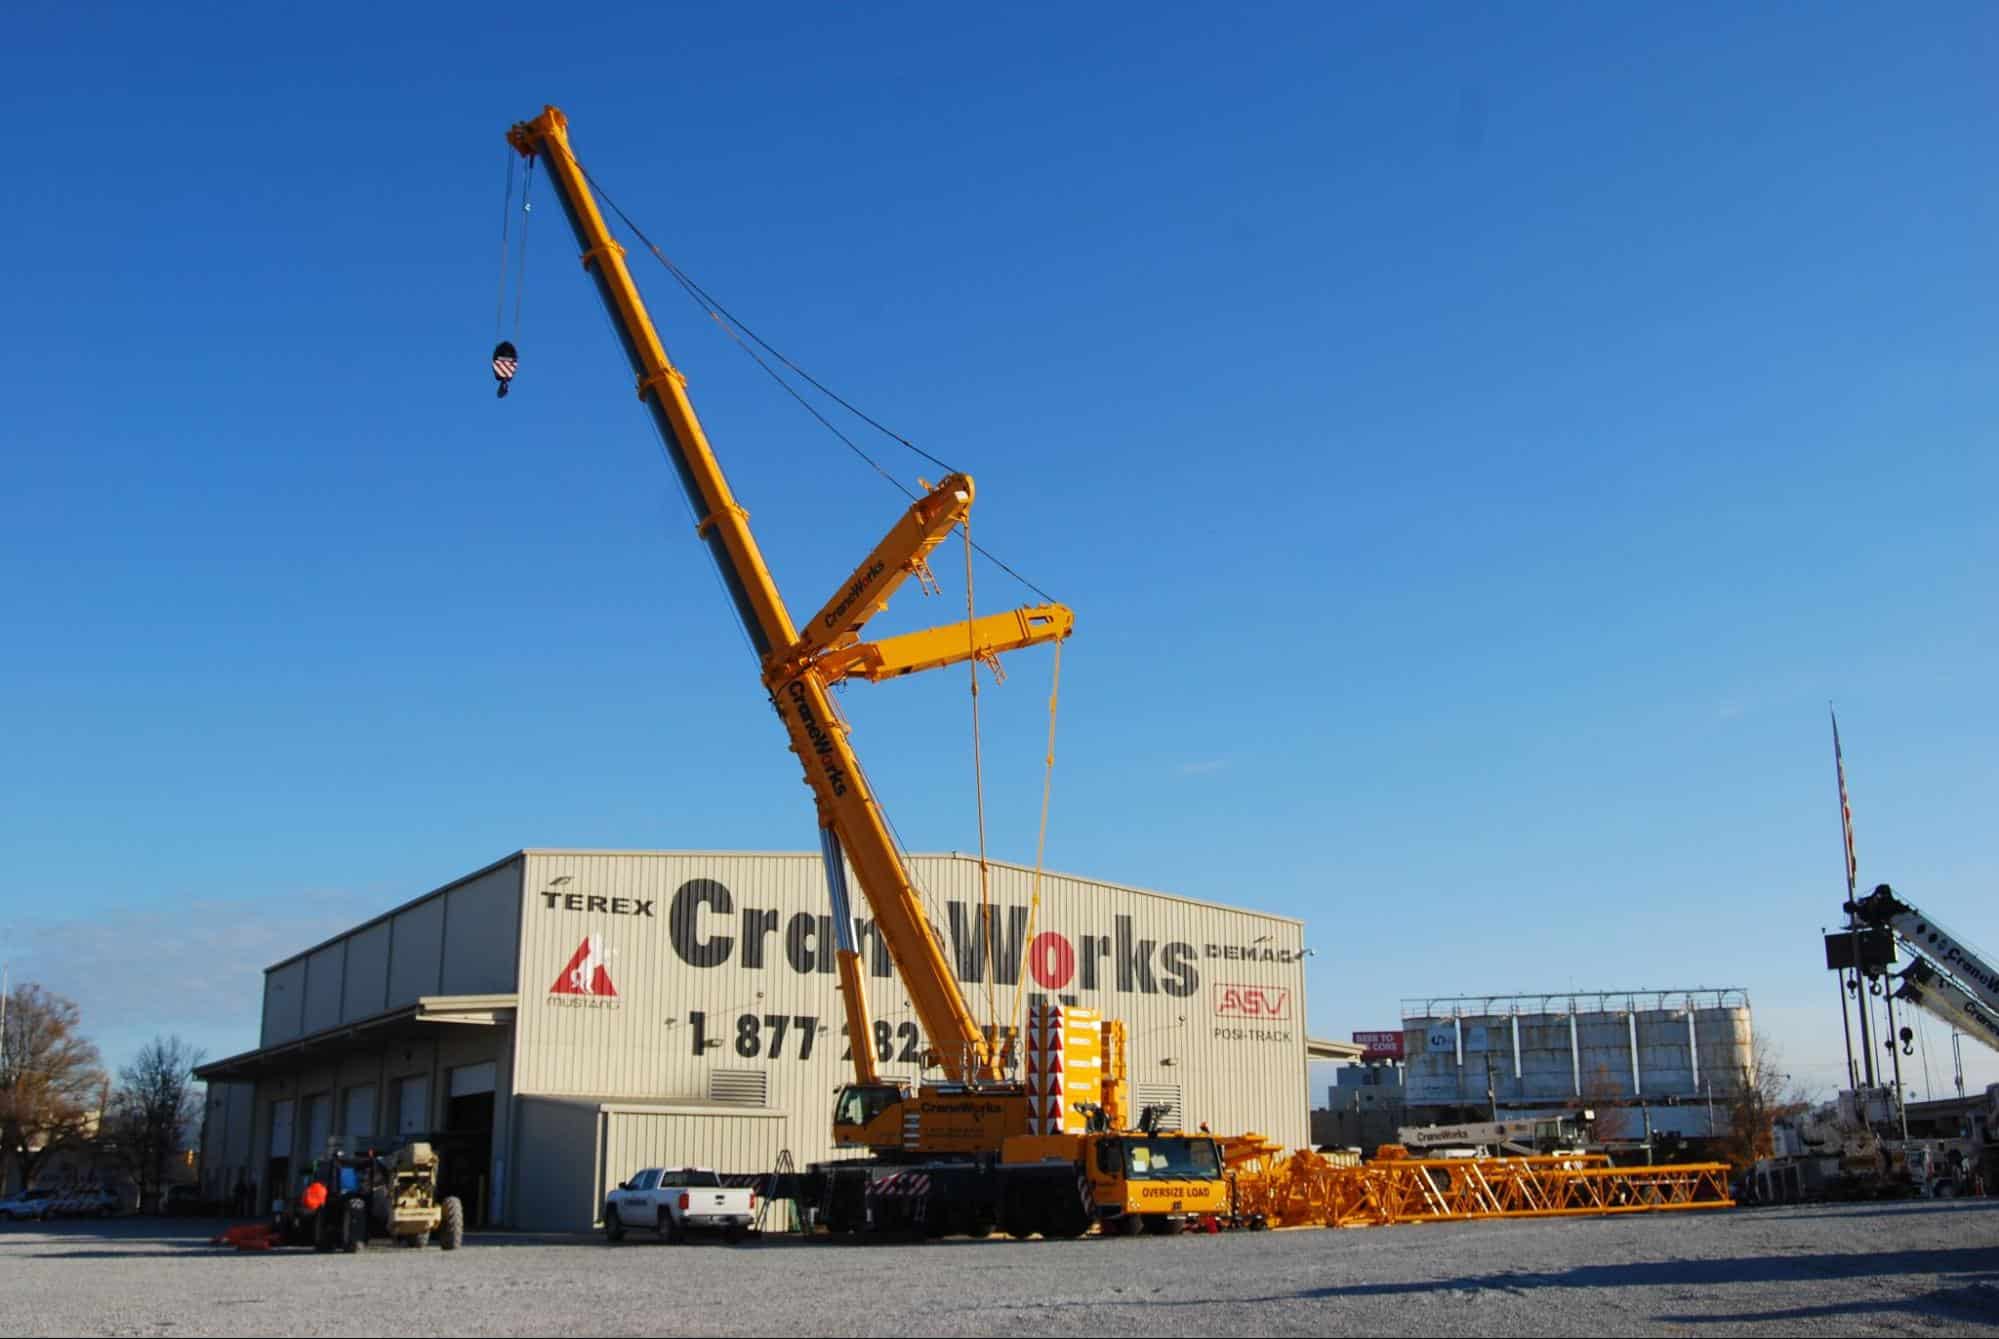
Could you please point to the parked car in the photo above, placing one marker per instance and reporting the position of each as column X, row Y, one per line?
column 87, row 1202
column 674, row 1201
column 31, row 1204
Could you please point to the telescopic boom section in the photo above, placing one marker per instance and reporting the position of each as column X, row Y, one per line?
column 792, row 667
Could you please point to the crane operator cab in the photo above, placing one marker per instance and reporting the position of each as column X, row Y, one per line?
column 868, row 1115
column 947, row 1120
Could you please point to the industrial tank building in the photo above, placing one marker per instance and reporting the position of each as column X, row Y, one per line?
column 1671, row 1059
column 559, row 1019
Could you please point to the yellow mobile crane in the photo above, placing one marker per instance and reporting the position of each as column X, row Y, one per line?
column 982, row 1148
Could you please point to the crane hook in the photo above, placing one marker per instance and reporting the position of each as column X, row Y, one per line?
column 505, row 360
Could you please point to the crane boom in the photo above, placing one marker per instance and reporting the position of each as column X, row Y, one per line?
column 1971, row 969
column 850, row 818
column 1936, row 994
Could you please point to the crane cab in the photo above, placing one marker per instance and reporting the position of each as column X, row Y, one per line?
column 869, row 1115
column 949, row 1120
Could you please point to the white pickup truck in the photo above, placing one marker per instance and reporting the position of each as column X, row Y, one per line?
column 674, row 1201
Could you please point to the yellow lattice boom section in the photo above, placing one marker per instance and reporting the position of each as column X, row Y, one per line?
column 1307, row 1189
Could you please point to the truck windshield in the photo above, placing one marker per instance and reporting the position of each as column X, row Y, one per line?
column 1170, row 1159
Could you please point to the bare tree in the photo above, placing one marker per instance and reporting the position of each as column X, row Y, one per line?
column 1602, row 1094
column 1764, row 1095
column 51, row 1082
column 154, row 1110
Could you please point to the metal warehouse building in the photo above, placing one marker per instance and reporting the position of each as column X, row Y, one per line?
column 560, row 1019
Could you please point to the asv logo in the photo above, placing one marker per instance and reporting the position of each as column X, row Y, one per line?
column 1234, row 1001
column 588, row 972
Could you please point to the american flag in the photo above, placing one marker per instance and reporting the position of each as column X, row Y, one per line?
column 505, row 360
column 1845, row 810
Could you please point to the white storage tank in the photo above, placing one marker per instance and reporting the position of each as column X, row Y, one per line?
column 1532, row 1050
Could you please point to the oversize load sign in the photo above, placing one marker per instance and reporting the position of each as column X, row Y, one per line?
column 1380, row 1045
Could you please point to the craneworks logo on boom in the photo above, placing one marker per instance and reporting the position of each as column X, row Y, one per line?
column 588, row 973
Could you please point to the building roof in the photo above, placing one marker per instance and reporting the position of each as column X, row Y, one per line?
column 410, row 1019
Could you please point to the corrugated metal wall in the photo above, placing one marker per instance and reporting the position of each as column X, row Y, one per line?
column 284, row 1003
column 367, row 971
column 460, row 940
column 721, row 961
column 638, row 1136
column 323, row 972
column 582, row 1148
column 227, row 1154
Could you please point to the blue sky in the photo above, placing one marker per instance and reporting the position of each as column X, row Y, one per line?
column 1476, row 444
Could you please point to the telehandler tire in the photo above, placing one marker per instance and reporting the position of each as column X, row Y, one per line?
column 354, row 1225
column 454, row 1224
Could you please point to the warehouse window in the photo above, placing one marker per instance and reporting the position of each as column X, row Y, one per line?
column 1158, row 1095
column 742, row 1087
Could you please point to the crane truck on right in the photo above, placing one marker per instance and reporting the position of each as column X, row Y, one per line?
column 1854, row 1146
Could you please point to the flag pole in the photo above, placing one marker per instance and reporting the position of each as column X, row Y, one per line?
column 1852, row 917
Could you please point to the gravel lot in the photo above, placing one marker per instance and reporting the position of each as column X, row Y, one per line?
column 1920, row 1267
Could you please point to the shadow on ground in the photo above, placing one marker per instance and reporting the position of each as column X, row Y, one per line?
column 1812, row 1268
column 1978, row 1300
column 1973, row 1293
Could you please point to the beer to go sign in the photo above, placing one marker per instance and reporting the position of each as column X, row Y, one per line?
column 1380, row 1045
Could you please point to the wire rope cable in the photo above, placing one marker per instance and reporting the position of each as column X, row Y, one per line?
column 722, row 316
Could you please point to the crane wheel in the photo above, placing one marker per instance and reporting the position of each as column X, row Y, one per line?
column 1020, row 1224
column 454, row 1224
column 1067, row 1222
column 1132, row 1225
